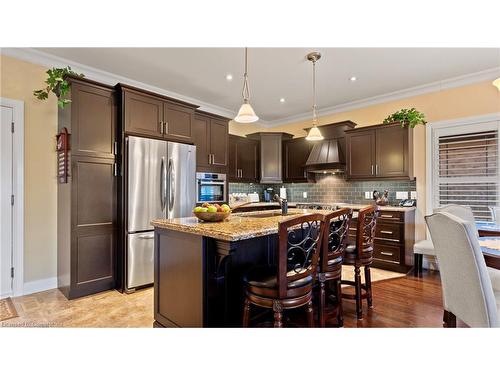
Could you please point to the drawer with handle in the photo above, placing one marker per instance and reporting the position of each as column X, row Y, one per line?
column 387, row 253
column 388, row 232
column 390, row 216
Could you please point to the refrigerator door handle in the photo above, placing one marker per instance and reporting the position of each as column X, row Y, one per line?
column 171, row 179
column 162, row 184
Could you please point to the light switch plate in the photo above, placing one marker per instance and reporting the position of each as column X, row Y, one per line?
column 413, row 194
column 368, row 194
column 304, row 194
column 401, row 195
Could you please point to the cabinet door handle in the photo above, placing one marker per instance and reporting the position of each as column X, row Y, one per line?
column 386, row 231
column 115, row 169
column 213, row 158
column 387, row 216
column 161, row 127
column 115, row 148
column 376, row 168
column 385, row 253
column 372, row 169
column 166, row 127
column 209, row 158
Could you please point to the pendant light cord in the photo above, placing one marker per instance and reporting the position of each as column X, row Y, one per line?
column 315, row 117
column 245, row 93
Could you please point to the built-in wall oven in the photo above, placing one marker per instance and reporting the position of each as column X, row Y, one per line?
column 211, row 187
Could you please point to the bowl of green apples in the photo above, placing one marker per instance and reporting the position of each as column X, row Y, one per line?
column 212, row 212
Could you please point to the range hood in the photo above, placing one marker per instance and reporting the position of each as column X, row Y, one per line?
column 326, row 157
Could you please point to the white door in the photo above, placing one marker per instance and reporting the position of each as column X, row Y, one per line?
column 6, row 193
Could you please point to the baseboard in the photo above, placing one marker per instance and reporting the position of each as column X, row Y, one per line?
column 6, row 295
column 39, row 285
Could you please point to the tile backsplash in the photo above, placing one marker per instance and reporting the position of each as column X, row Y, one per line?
column 330, row 188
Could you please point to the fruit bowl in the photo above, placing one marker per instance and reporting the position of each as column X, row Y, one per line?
column 212, row 216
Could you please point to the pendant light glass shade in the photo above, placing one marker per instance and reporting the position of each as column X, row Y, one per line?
column 496, row 83
column 314, row 133
column 246, row 114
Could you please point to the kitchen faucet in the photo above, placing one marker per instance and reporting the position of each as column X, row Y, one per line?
column 283, row 203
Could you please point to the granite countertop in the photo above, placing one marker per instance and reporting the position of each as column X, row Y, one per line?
column 238, row 226
column 350, row 205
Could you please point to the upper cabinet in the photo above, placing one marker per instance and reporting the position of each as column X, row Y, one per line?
column 271, row 155
column 150, row 115
column 380, row 152
column 243, row 159
column 295, row 154
column 210, row 135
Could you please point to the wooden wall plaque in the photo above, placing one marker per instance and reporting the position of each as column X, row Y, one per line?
column 62, row 149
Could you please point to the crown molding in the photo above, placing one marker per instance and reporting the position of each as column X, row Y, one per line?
column 45, row 59
column 449, row 83
column 49, row 60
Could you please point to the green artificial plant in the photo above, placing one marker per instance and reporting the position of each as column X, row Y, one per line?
column 410, row 117
column 57, row 83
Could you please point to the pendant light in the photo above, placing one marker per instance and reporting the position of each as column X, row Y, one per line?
column 496, row 83
column 314, row 133
column 246, row 113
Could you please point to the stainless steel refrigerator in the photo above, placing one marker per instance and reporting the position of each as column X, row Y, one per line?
column 161, row 184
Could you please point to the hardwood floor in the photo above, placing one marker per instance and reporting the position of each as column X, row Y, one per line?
column 401, row 302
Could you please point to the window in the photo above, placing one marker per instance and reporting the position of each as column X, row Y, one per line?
column 466, row 168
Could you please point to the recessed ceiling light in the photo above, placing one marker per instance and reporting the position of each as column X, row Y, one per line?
column 282, row 100
column 229, row 77
column 353, row 78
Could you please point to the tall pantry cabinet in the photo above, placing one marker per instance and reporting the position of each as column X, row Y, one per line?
column 86, row 203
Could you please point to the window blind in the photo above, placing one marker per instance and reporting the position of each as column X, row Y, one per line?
column 468, row 167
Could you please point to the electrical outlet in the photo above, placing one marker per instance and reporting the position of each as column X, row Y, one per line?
column 401, row 195
column 304, row 194
column 413, row 194
column 368, row 194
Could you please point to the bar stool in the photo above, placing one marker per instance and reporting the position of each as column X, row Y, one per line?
column 360, row 254
column 330, row 265
column 289, row 284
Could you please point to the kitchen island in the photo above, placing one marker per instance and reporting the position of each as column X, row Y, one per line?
column 199, row 266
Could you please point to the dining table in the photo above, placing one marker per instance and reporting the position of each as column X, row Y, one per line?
column 489, row 239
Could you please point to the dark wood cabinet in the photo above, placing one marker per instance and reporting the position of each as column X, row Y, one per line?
column 295, row 154
column 143, row 114
column 87, row 203
column 394, row 239
column 271, row 155
column 380, row 152
column 361, row 154
column 243, row 159
column 210, row 135
column 150, row 115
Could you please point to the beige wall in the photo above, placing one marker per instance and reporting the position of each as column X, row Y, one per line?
column 18, row 79
column 472, row 100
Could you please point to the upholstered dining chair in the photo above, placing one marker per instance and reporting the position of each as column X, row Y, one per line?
column 467, row 290
column 329, row 274
column 425, row 247
column 289, row 284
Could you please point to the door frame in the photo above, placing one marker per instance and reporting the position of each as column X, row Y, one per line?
column 18, row 190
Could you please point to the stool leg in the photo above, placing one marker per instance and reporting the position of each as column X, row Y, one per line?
column 340, row 311
column 368, row 281
column 278, row 314
column 357, row 281
column 415, row 264
column 322, row 304
column 310, row 314
column 246, row 313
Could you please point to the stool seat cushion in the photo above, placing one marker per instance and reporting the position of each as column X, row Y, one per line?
column 425, row 247
column 266, row 277
column 352, row 249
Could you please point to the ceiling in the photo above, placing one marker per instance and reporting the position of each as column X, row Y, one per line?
column 274, row 73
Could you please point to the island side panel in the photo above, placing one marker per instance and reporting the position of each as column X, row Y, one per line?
column 179, row 279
